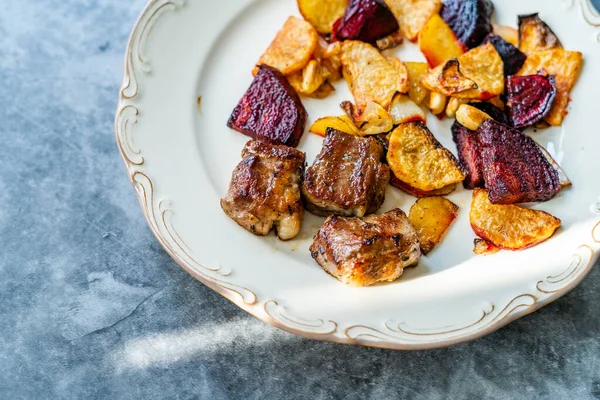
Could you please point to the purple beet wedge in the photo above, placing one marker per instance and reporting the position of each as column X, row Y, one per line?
column 366, row 20
column 470, row 20
column 529, row 98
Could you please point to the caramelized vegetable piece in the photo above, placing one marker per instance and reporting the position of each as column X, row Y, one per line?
column 508, row 226
column 470, row 20
column 390, row 41
column 370, row 75
column 292, row 48
column 512, row 57
column 482, row 65
column 529, row 98
column 438, row 43
column 470, row 117
column 484, row 248
column 343, row 123
column 416, row 91
column 511, row 35
column 450, row 80
column 372, row 121
column 412, row 15
column 270, row 110
column 367, row 21
column 535, row 35
column 565, row 66
column 431, row 218
column 322, row 14
column 403, row 109
column 419, row 160
column 514, row 169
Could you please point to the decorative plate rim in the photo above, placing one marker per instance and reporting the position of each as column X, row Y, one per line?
column 158, row 213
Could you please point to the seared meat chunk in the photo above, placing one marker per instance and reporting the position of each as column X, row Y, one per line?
column 265, row 190
column 361, row 252
column 347, row 178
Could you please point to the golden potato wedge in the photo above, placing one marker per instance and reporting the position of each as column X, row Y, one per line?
column 450, row 80
column 482, row 65
column 511, row 35
column 418, row 159
column 470, row 117
column 416, row 91
column 431, row 217
column 412, row 15
column 484, row 248
column 565, row 66
column 438, row 43
column 292, row 48
column 535, row 35
column 370, row 75
column 342, row 123
column 322, row 14
column 403, row 109
column 508, row 226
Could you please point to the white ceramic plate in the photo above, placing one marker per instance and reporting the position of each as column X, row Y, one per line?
column 187, row 65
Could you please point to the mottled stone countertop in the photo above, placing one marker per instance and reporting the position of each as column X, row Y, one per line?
column 92, row 307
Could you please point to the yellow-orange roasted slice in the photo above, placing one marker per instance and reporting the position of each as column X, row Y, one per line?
column 419, row 160
column 535, row 35
column 438, row 43
column 431, row 218
column 412, row 15
column 370, row 75
column 482, row 65
column 322, row 14
column 565, row 66
column 343, row 123
column 508, row 226
column 292, row 48
column 416, row 91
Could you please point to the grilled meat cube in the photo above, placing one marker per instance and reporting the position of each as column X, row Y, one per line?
column 270, row 110
column 265, row 190
column 514, row 168
column 361, row 252
column 347, row 178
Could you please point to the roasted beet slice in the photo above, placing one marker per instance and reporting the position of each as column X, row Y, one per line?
column 366, row 20
column 512, row 57
column 270, row 111
column 514, row 168
column 469, row 155
column 469, row 152
column 529, row 98
column 470, row 20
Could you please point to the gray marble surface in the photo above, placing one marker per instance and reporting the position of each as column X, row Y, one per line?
column 92, row 307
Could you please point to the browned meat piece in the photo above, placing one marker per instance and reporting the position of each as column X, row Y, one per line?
column 347, row 177
column 270, row 110
column 361, row 252
column 265, row 190
column 514, row 168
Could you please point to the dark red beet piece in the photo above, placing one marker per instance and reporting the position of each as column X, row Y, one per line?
column 512, row 57
column 470, row 20
column 529, row 98
column 366, row 20
column 469, row 153
column 270, row 110
column 514, row 168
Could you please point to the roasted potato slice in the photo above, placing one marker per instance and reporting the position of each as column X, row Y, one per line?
column 508, row 226
column 292, row 48
column 418, row 159
column 371, row 76
column 431, row 218
column 450, row 80
column 484, row 248
column 438, row 43
column 343, row 123
column 416, row 91
column 482, row 65
column 322, row 14
column 470, row 117
column 412, row 15
column 535, row 35
column 565, row 66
